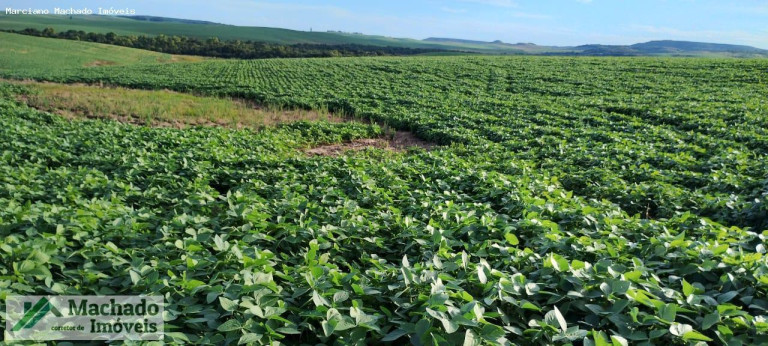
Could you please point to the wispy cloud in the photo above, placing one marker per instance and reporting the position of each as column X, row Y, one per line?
column 497, row 3
column 453, row 10
column 300, row 7
column 530, row 15
column 759, row 10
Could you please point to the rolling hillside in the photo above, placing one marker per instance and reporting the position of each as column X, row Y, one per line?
column 151, row 26
column 673, row 48
column 126, row 26
column 668, row 46
column 651, row 48
column 20, row 52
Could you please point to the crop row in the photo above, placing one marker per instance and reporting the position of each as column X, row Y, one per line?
column 578, row 200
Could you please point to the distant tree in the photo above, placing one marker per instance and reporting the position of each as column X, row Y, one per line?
column 48, row 32
column 226, row 49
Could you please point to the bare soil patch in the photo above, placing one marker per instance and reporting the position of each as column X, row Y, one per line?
column 399, row 141
column 100, row 63
column 140, row 107
column 181, row 58
column 162, row 108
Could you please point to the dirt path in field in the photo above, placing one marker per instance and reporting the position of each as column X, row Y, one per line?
column 400, row 141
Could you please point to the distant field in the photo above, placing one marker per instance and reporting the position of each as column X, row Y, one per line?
column 125, row 26
column 169, row 26
column 19, row 52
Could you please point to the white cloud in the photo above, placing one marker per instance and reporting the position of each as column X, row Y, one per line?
column 755, row 10
column 497, row 3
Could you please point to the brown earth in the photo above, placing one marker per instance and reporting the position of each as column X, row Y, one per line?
column 100, row 63
column 400, row 141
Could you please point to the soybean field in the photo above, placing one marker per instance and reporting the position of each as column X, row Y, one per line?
column 589, row 201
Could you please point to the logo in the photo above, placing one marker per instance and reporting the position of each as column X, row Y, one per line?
column 33, row 314
column 102, row 318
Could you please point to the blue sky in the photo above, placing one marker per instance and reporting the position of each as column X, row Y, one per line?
column 546, row 22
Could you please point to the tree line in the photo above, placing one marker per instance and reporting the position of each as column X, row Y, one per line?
column 213, row 47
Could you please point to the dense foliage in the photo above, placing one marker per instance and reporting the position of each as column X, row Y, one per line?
column 591, row 201
column 213, row 47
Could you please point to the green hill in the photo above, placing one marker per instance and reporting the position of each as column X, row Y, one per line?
column 151, row 26
column 126, row 26
column 20, row 52
column 672, row 47
column 167, row 19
